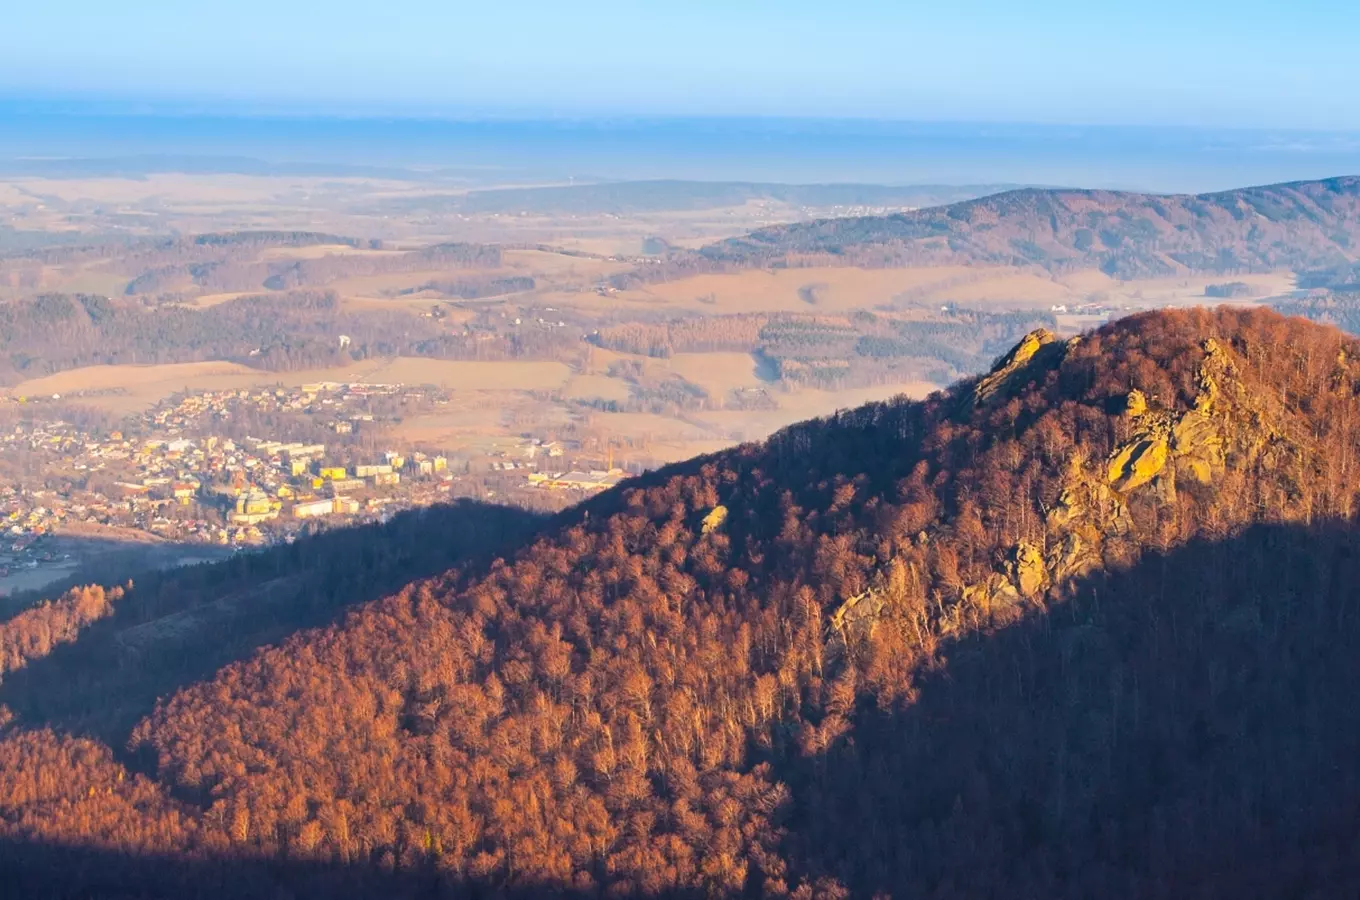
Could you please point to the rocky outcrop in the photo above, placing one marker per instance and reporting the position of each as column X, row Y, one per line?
column 1090, row 522
column 1026, row 569
column 1162, row 446
column 1038, row 350
column 1137, row 462
column 1109, row 506
column 1023, row 577
column 855, row 618
column 1166, row 444
column 993, row 595
column 1135, row 404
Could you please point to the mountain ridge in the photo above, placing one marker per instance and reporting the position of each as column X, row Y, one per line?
column 1127, row 235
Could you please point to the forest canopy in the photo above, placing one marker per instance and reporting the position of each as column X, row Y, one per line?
column 1079, row 627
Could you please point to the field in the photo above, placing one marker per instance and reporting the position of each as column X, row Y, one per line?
column 35, row 579
column 716, row 373
column 840, row 290
column 129, row 389
column 470, row 376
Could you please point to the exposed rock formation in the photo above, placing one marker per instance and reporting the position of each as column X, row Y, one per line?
column 1092, row 508
column 1040, row 347
column 1137, row 462
column 857, row 615
column 1191, row 441
column 1091, row 525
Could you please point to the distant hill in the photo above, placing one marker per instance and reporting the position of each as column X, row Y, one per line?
column 1083, row 626
column 633, row 197
column 1310, row 224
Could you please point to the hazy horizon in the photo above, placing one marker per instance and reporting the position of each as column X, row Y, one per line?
column 1159, row 96
column 497, row 150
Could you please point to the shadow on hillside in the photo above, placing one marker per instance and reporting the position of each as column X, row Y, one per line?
column 1184, row 728
column 79, row 559
column 1188, row 727
column 50, row 871
column 179, row 626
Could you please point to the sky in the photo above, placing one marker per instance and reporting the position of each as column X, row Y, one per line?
column 1204, row 63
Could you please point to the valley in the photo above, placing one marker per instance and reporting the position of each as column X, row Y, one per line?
column 443, row 556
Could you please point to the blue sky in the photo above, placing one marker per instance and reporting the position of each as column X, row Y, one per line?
column 1217, row 63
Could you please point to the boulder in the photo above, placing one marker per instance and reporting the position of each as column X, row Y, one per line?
column 1071, row 558
column 856, row 617
column 1026, row 570
column 993, row 595
column 1137, row 462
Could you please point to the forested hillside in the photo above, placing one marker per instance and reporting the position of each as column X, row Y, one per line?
column 1081, row 627
column 1287, row 226
column 276, row 332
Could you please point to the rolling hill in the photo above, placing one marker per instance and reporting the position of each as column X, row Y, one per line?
column 1083, row 626
column 1286, row 226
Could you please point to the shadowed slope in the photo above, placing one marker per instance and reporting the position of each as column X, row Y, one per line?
column 1183, row 727
column 176, row 627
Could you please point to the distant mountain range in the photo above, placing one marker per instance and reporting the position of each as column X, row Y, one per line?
column 1299, row 225
column 632, row 197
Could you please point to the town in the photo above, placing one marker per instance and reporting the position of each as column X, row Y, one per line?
column 193, row 471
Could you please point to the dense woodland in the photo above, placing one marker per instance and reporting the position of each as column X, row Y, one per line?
column 172, row 627
column 1082, row 627
column 276, row 332
column 1340, row 308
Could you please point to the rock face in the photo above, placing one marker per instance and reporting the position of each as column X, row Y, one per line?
column 1138, row 462
column 994, row 594
column 1168, row 444
column 1090, row 524
column 1023, row 577
column 857, row 615
column 1026, row 569
column 1162, row 445
column 1038, row 348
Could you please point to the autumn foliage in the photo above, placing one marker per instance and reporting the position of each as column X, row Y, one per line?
column 35, row 631
column 812, row 698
